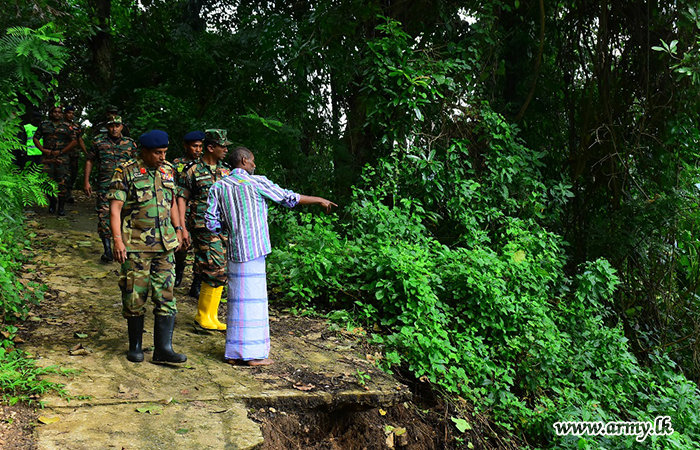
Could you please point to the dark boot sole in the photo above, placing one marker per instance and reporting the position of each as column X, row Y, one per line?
column 135, row 358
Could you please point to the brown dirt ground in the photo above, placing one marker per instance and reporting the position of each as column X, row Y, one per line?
column 421, row 424
column 17, row 427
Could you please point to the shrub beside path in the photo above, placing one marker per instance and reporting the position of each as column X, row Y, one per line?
column 203, row 403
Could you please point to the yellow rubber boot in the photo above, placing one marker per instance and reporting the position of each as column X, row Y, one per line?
column 214, row 308
column 206, row 295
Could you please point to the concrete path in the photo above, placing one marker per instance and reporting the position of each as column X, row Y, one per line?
column 111, row 403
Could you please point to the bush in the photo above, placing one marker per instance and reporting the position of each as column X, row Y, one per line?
column 451, row 261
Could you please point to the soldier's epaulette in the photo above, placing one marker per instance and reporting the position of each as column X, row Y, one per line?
column 124, row 167
column 188, row 165
column 129, row 163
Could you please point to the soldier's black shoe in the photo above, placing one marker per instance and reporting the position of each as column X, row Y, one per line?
column 163, row 341
column 61, row 206
column 179, row 267
column 52, row 205
column 107, row 256
column 196, row 286
column 135, row 325
column 178, row 275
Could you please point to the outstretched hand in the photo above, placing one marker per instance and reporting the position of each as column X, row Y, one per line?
column 326, row 205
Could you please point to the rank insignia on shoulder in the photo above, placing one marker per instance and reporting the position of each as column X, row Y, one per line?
column 180, row 167
column 119, row 169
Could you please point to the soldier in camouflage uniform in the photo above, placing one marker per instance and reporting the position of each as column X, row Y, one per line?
column 58, row 141
column 107, row 151
column 209, row 248
column 69, row 116
column 145, row 226
column 193, row 149
column 100, row 129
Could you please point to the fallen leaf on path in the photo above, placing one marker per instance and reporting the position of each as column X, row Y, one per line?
column 79, row 350
column 390, row 441
column 182, row 431
column 152, row 409
column 48, row 420
column 80, row 335
column 304, row 387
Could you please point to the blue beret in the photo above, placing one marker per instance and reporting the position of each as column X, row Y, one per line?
column 194, row 136
column 154, row 139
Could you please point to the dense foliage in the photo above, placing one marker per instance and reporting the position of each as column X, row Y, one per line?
column 24, row 54
column 517, row 179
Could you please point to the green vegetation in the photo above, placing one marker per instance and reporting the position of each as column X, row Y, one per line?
column 24, row 54
column 517, row 180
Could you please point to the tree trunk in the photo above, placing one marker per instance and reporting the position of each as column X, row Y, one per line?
column 101, row 45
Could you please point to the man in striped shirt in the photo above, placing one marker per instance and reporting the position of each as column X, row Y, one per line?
column 238, row 204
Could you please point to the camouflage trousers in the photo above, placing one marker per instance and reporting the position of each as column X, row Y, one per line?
column 58, row 169
column 102, row 210
column 209, row 256
column 145, row 273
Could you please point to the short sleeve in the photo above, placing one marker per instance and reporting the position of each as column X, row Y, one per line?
column 184, row 183
column 92, row 152
column 118, row 187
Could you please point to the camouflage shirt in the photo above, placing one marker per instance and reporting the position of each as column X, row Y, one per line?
column 109, row 153
column 77, row 129
column 179, row 164
column 193, row 185
column 56, row 135
column 147, row 194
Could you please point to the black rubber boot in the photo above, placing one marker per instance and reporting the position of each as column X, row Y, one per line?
column 163, row 341
column 135, row 353
column 52, row 205
column 179, row 267
column 107, row 256
column 196, row 286
column 61, row 206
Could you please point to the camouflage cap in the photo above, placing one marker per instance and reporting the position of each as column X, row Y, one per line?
column 115, row 119
column 217, row 135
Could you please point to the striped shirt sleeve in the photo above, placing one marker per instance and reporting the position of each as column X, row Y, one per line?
column 212, row 216
column 275, row 193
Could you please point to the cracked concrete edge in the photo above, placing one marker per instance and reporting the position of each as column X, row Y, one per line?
column 375, row 398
